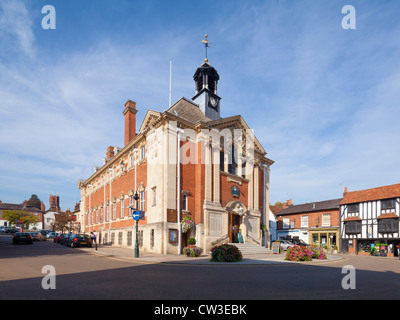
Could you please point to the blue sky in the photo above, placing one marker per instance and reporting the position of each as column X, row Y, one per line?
column 323, row 101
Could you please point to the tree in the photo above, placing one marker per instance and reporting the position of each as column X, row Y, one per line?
column 14, row 216
column 63, row 221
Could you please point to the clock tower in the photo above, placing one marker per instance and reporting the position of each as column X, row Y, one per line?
column 206, row 80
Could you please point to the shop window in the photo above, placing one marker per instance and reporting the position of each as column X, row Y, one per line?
column 352, row 227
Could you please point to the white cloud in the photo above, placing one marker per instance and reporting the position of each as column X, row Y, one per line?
column 16, row 27
column 322, row 102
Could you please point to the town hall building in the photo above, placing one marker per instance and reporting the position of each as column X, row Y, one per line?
column 196, row 175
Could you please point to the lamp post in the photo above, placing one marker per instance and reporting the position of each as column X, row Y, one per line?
column 136, row 198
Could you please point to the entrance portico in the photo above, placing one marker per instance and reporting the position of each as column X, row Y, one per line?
column 236, row 211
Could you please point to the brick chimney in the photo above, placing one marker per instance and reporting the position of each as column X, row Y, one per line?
column 130, row 120
column 110, row 152
column 345, row 191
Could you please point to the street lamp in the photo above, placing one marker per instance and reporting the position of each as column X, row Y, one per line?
column 136, row 198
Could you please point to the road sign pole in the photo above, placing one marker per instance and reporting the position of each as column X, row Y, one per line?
column 136, row 216
column 136, row 197
column 137, row 242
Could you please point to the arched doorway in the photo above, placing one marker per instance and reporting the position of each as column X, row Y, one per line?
column 235, row 212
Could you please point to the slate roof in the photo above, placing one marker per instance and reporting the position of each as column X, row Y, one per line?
column 311, row 207
column 385, row 192
column 188, row 110
column 13, row 206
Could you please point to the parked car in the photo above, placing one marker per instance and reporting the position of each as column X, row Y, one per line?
column 298, row 242
column 13, row 230
column 285, row 244
column 57, row 238
column 22, row 237
column 64, row 239
column 79, row 240
column 51, row 235
column 37, row 236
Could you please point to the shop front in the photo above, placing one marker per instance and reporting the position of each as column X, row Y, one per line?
column 324, row 237
column 378, row 247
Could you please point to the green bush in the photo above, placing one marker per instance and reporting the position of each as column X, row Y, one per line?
column 191, row 241
column 226, row 253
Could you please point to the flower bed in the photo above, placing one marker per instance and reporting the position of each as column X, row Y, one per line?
column 318, row 252
column 301, row 253
column 226, row 253
column 192, row 251
column 298, row 253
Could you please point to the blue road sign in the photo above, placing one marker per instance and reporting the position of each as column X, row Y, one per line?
column 136, row 215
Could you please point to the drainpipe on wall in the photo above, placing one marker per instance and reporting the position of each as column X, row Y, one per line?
column 109, row 210
column 178, row 198
column 135, row 151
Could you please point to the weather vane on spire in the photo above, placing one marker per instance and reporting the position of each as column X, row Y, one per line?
column 206, row 43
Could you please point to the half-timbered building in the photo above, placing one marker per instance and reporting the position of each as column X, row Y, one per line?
column 369, row 221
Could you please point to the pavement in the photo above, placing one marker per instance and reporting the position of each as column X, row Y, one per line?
column 127, row 254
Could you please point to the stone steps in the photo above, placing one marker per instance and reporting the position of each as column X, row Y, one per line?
column 251, row 248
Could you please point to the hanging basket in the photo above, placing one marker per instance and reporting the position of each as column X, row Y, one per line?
column 187, row 224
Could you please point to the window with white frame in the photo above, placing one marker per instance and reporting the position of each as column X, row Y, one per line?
column 131, row 160
column 326, row 219
column 142, row 153
column 304, row 221
column 122, row 208
column 286, row 223
column 185, row 202
column 101, row 214
column 114, row 210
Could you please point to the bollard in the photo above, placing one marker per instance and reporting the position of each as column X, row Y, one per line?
column 96, row 246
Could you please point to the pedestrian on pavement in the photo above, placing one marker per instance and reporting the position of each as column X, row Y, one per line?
column 91, row 236
column 398, row 250
column 94, row 236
